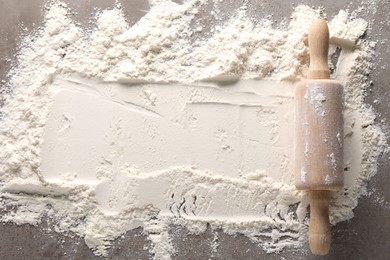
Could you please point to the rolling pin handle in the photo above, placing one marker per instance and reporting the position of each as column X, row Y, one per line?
column 318, row 40
column 319, row 227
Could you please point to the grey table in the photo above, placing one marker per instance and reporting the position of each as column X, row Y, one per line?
column 366, row 236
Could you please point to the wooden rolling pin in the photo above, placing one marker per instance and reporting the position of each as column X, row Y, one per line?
column 319, row 137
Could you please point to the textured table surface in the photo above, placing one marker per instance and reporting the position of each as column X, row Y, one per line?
column 366, row 236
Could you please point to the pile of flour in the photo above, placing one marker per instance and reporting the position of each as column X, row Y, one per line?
column 165, row 46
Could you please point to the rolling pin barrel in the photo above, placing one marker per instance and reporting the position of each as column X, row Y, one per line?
column 319, row 137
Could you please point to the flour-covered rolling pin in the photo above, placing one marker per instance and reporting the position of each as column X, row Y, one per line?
column 319, row 137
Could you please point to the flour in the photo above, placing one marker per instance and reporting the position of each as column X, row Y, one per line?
column 259, row 202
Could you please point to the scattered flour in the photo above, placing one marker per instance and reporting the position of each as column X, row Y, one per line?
column 160, row 47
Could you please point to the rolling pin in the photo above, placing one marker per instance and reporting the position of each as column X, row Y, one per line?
column 319, row 137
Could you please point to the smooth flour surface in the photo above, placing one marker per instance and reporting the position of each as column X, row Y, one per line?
column 135, row 126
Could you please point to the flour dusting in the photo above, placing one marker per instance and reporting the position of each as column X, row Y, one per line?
column 161, row 53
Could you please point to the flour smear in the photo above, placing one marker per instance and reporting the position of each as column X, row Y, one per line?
column 211, row 112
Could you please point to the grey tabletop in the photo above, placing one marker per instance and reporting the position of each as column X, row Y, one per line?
column 366, row 236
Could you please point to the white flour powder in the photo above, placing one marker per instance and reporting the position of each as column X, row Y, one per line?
column 263, row 204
